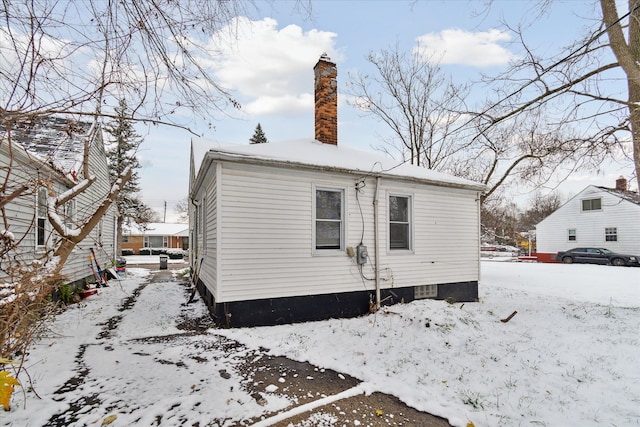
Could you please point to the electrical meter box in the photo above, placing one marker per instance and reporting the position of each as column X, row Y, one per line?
column 361, row 254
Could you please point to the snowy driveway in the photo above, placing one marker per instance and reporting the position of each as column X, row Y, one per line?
column 137, row 354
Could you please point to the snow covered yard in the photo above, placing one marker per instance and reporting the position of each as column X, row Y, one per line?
column 568, row 357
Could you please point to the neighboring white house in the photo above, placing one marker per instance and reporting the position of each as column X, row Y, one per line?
column 308, row 230
column 49, row 152
column 596, row 217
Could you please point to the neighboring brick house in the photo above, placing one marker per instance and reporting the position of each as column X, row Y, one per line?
column 155, row 235
column 596, row 217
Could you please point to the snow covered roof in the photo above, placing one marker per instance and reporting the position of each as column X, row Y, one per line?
column 631, row 196
column 314, row 154
column 157, row 229
column 54, row 140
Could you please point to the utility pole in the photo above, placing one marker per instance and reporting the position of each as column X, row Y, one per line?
column 165, row 212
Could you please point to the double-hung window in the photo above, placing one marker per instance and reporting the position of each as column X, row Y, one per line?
column 399, row 222
column 611, row 234
column 41, row 216
column 572, row 236
column 329, row 219
column 69, row 214
column 591, row 205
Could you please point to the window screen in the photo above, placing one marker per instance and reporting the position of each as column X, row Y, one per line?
column 399, row 222
column 329, row 219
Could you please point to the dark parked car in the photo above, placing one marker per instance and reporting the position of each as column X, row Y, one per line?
column 596, row 256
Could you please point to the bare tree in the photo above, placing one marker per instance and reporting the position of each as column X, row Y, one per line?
column 417, row 102
column 144, row 216
column 526, row 151
column 76, row 61
column 79, row 61
column 182, row 209
column 431, row 125
column 499, row 222
column 538, row 208
column 592, row 85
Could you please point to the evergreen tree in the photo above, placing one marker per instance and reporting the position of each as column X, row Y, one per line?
column 122, row 153
column 258, row 136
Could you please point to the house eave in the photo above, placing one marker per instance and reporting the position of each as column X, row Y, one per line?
column 212, row 156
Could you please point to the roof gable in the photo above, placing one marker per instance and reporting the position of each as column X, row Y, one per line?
column 595, row 191
column 314, row 154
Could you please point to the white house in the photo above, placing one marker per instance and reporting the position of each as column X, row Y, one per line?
column 48, row 153
column 308, row 230
column 595, row 217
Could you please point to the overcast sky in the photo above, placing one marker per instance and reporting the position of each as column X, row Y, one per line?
column 268, row 67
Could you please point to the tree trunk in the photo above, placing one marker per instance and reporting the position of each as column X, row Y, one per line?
column 628, row 56
column 119, row 234
column 634, row 83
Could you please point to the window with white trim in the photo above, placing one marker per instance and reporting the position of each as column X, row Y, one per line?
column 572, row 235
column 329, row 219
column 399, row 222
column 41, row 217
column 591, row 204
column 69, row 213
column 611, row 234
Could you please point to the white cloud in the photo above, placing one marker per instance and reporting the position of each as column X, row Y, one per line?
column 455, row 46
column 271, row 68
column 279, row 104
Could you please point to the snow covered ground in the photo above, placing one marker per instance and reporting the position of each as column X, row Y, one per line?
column 570, row 356
column 149, row 260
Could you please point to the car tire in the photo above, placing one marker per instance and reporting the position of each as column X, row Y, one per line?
column 567, row 260
column 619, row 262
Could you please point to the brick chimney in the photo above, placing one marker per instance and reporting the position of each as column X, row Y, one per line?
column 326, row 109
column 621, row 184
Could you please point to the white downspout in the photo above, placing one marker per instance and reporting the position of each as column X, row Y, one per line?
column 479, row 207
column 375, row 243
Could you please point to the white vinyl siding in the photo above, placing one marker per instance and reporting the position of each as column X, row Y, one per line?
column 207, row 249
column 203, row 221
column 102, row 237
column 24, row 214
column 263, row 222
column 590, row 225
column 446, row 238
